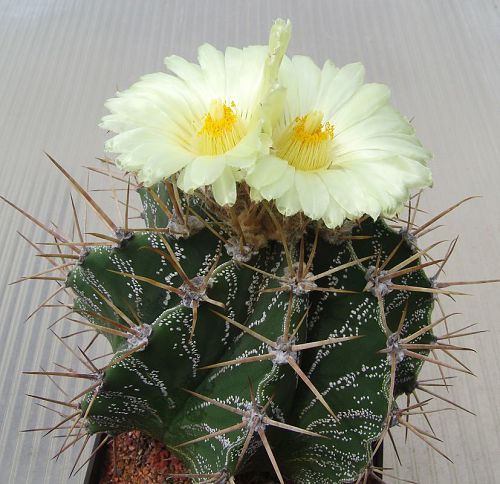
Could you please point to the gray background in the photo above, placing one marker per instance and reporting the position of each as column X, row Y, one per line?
column 60, row 60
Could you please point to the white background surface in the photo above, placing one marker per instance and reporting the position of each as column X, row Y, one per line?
column 60, row 60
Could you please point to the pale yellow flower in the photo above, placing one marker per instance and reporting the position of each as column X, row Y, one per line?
column 205, row 121
column 339, row 149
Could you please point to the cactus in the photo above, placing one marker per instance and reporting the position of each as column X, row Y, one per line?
column 257, row 328
column 277, row 346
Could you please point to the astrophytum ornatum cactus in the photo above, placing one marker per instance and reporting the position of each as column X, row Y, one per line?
column 274, row 307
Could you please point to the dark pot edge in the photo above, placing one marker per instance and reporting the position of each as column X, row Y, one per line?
column 95, row 467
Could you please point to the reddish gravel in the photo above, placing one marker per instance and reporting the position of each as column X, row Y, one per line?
column 143, row 460
column 140, row 460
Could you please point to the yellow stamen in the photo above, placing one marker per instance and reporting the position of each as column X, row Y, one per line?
column 221, row 131
column 306, row 143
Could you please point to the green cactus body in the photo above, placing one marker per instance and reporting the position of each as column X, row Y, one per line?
column 222, row 420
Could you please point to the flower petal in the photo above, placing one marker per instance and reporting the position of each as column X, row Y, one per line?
column 328, row 74
column 383, row 146
column 252, row 145
column 398, row 173
column 266, row 171
column 334, row 215
column 141, row 147
column 382, row 190
column 348, row 191
column 202, row 171
column 288, row 204
column 192, row 75
column 301, row 78
column 241, row 88
column 366, row 101
column 156, row 168
column 375, row 186
column 308, row 77
column 212, row 63
column 346, row 82
column 384, row 121
column 279, row 187
column 224, row 188
column 313, row 194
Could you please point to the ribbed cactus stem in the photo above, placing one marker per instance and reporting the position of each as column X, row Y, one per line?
column 250, row 343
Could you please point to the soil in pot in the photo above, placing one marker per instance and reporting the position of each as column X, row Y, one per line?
column 136, row 458
column 133, row 457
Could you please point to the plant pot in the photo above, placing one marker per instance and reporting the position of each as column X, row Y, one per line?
column 101, row 461
column 96, row 465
